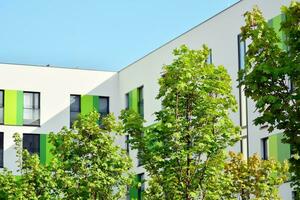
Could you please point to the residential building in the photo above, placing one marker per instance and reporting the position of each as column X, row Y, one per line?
column 36, row 100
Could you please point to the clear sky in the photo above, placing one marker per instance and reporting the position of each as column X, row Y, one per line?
column 94, row 34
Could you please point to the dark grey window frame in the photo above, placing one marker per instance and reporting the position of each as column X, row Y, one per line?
column 2, row 149
column 33, row 135
column 265, row 148
column 108, row 104
column 71, row 123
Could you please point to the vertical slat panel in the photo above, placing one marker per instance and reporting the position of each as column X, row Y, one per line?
column 45, row 147
column 273, row 147
column 133, row 100
column 20, row 108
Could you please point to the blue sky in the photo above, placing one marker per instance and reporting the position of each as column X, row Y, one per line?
column 94, row 34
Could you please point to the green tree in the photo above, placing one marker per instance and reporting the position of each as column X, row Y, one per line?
column 268, row 67
column 184, row 151
column 255, row 178
column 88, row 163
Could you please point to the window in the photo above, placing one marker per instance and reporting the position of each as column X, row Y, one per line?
column 127, row 144
column 264, row 149
column 74, row 108
column 1, row 107
column 141, row 101
column 1, row 150
column 31, row 108
column 31, row 142
column 103, row 106
column 244, row 146
column 127, row 101
column 209, row 58
column 242, row 52
column 142, row 188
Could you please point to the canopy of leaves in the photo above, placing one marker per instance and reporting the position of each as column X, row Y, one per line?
column 184, row 151
column 268, row 67
column 255, row 178
column 86, row 164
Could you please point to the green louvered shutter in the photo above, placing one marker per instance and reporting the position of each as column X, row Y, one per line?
column 13, row 107
column 278, row 150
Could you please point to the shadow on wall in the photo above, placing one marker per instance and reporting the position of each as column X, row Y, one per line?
column 61, row 118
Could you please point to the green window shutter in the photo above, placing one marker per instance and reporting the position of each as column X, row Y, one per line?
column 133, row 100
column 13, row 107
column 278, row 150
column 89, row 103
column 45, row 147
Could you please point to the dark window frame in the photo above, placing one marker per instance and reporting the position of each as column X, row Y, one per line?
column 141, row 107
column 71, row 123
column 127, row 101
column 108, row 105
column 39, row 108
column 141, row 178
column 265, row 148
column 3, row 93
column 239, row 40
column 2, row 146
column 34, row 135
column 127, row 144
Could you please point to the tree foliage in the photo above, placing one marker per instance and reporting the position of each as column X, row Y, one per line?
column 86, row 164
column 184, row 151
column 268, row 67
column 255, row 178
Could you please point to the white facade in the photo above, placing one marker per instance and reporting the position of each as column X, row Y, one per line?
column 57, row 84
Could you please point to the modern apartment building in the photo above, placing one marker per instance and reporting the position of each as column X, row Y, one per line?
column 36, row 100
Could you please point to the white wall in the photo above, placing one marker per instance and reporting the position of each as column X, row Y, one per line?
column 55, row 86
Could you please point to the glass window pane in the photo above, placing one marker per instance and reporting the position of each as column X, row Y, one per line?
column 31, row 114
column 28, row 100
column 31, row 142
column 1, row 99
column 103, row 106
column 75, row 103
column 36, row 100
column 1, row 115
column 1, row 150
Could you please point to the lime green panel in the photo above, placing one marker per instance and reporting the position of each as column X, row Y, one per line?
column 277, row 149
column 273, row 148
column 13, row 107
column 89, row 103
column 276, row 24
column 20, row 107
column 284, row 150
column 133, row 100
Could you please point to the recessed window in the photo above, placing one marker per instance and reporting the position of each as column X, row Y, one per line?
column 1, row 150
column 127, row 144
column 31, row 114
column 31, row 142
column 74, row 108
column 103, row 106
column 264, row 148
column 127, row 101
column 1, row 107
column 209, row 58
column 141, row 101
column 142, row 187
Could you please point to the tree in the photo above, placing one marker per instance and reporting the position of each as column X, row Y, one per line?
column 184, row 152
column 88, row 163
column 255, row 178
column 268, row 67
